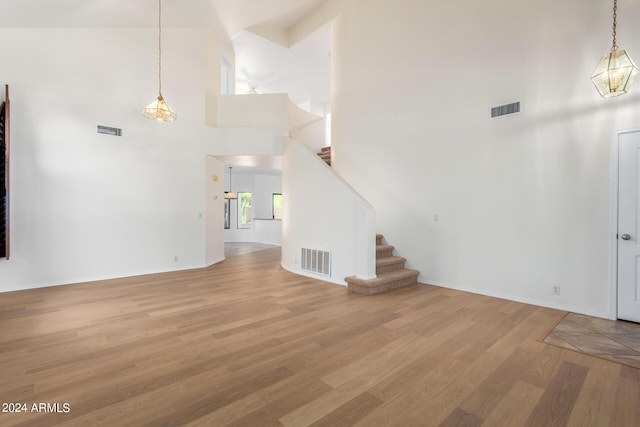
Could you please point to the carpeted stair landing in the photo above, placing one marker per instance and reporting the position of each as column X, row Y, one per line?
column 390, row 272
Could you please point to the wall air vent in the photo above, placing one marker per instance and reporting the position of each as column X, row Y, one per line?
column 316, row 261
column 503, row 110
column 109, row 130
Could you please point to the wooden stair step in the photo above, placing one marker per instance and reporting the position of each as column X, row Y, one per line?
column 389, row 263
column 324, row 156
column 384, row 282
column 384, row 251
column 379, row 238
column 326, row 149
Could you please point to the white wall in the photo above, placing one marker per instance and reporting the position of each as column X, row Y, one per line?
column 265, row 110
column 313, row 135
column 268, row 231
column 87, row 206
column 215, row 210
column 261, row 186
column 523, row 201
column 256, row 124
column 264, row 188
column 321, row 211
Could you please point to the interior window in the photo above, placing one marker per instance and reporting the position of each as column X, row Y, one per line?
column 277, row 206
column 244, row 210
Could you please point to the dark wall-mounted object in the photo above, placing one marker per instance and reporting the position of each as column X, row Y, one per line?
column 108, row 130
column 503, row 110
column 4, row 174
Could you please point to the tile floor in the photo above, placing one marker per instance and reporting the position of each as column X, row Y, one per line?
column 614, row 340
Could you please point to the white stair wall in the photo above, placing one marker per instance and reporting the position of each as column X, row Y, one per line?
column 347, row 229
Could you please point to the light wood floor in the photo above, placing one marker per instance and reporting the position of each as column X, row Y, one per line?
column 242, row 248
column 244, row 343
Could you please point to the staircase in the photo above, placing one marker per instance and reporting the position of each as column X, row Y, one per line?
column 390, row 272
column 325, row 155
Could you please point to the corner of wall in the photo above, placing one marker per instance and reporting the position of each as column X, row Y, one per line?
column 322, row 15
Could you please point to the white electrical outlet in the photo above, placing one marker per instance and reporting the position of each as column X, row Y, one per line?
column 556, row 290
column 175, row 258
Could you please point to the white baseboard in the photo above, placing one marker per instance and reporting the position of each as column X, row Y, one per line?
column 215, row 261
column 530, row 301
column 74, row 281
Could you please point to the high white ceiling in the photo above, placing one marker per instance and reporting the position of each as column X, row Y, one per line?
column 233, row 15
column 302, row 71
column 104, row 13
column 236, row 15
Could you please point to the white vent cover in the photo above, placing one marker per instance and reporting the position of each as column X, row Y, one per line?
column 316, row 261
column 503, row 110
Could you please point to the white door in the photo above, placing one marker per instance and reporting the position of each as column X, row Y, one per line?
column 629, row 227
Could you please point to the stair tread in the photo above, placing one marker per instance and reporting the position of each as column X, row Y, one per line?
column 325, row 149
column 324, row 155
column 387, row 277
column 397, row 274
column 379, row 236
column 384, row 248
column 390, row 260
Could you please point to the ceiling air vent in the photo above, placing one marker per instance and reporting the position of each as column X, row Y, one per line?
column 107, row 130
column 503, row 110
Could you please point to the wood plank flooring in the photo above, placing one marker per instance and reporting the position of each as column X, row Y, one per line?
column 245, row 343
column 241, row 248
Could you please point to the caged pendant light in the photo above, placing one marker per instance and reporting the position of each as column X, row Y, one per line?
column 158, row 109
column 615, row 71
column 230, row 195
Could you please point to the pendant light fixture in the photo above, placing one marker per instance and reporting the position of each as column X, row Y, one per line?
column 615, row 71
column 230, row 194
column 158, row 109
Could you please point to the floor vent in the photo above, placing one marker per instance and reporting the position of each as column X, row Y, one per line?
column 316, row 261
column 503, row 110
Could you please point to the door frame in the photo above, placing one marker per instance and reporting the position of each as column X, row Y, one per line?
column 613, row 219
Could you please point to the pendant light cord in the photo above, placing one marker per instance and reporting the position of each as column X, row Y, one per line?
column 159, row 47
column 158, row 109
column 615, row 24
